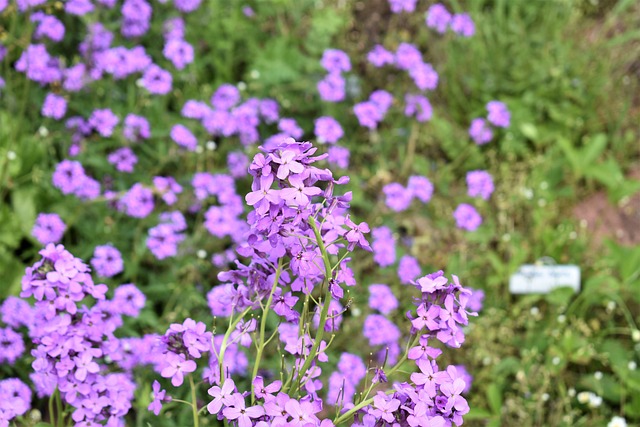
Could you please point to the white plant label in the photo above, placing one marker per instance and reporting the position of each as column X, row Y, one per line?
column 542, row 279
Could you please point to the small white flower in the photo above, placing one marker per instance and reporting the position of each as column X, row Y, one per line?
column 202, row 254
column 562, row 318
column 556, row 360
column 584, row 396
column 617, row 422
column 199, row 149
column 242, row 86
column 597, row 375
column 211, row 145
column 11, row 155
column 255, row 74
column 611, row 305
column 534, row 311
column 545, row 397
column 632, row 365
column 595, row 401
column 571, row 392
column 635, row 335
column 43, row 131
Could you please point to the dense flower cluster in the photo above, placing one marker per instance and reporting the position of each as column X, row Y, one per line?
column 75, row 343
column 298, row 227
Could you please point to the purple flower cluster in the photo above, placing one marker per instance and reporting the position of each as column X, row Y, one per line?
column 384, row 247
column 399, row 198
column 332, row 87
column 440, row 19
column 479, row 184
column 74, row 343
column 15, row 399
column 48, row 228
column 107, row 261
column 164, row 238
column 498, row 116
column 467, row 217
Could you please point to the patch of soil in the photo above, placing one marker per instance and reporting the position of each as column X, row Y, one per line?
column 605, row 220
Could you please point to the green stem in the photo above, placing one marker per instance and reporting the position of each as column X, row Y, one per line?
column 51, row 414
column 194, row 402
column 223, row 346
column 59, row 406
column 295, row 385
column 263, row 327
column 356, row 408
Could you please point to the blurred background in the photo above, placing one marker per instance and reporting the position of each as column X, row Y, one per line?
column 566, row 173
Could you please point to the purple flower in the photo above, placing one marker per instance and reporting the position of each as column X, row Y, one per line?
column 467, row 218
column 368, row 114
column 183, row 137
column 381, row 298
column 54, row 106
column 398, row 198
column 384, row 248
column 463, row 24
column 48, row 228
column 420, row 187
column 338, row 156
column 424, row 76
column 187, row 6
column 382, row 99
column 136, row 128
column 129, row 300
column 179, row 52
column 438, row 18
column 238, row 164
column 220, row 300
column 498, row 114
column 123, row 159
column 48, row 26
column 479, row 184
column 237, row 410
column 78, row 7
column 480, row 132
column 335, row 61
column 177, row 366
column 407, row 56
column 398, row 6
column 221, row 396
column 418, row 106
column 107, row 261
column 385, row 407
column 68, row 176
column 159, row 396
column 264, row 392
column 11, row 346
column 332, row 88
column 15, row 399
column 380, row 330
column 156, row 80
column 408, row 269
column 103, row 121
column 290, row 127
column 16, row 312
column 137, row 202
column 379, row 56
column 327, row 129
column 225, row 97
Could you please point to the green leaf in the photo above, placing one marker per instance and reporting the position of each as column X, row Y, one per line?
column 593, row 150
column 494, row 396
column 23, row 202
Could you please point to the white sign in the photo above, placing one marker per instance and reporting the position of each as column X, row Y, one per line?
column 531, row 279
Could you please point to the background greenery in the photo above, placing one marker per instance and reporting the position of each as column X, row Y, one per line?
column 568, row 71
